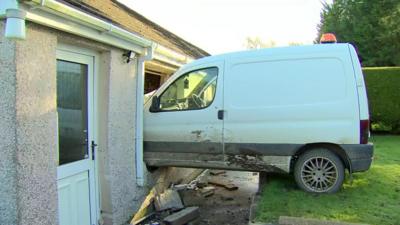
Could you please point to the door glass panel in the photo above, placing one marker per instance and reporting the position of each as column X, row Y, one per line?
column 72, row 111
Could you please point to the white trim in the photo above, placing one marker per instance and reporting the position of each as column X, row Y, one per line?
column 62, row 17
column 139, row 116
column 96, row 77
column 65, row 18
column 169, row 61
column 170, row 56
column 90, row 58
column 160, row 67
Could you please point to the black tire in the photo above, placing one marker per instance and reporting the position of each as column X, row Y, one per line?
column 319, row 171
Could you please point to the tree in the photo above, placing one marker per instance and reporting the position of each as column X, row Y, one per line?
column 257, row 43
column 373, row 27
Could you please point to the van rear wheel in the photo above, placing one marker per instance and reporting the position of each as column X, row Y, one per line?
column 319, row 171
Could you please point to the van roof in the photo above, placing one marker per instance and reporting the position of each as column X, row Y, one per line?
column 290, row 50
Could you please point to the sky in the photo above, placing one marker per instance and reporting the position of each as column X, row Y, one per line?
column 220, row 26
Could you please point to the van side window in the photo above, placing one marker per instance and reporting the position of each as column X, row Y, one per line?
column 193, row 90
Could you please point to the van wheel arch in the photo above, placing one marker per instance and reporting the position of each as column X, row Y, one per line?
column 152, row 169
column 334, row 148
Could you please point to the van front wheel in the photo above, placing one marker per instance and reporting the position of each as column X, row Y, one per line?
column 319, row 171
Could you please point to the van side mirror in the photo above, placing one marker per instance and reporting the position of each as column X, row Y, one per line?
column 155, row 104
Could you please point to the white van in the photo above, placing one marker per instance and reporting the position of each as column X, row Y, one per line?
column 300, row 110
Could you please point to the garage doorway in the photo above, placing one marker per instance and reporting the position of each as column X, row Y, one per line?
column 152, row 82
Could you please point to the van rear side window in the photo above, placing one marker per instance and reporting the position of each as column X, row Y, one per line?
column 285, row 82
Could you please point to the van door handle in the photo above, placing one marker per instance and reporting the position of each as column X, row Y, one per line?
column 220, row 114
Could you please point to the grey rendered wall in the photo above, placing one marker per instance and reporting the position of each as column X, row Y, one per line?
column 29, row 137
column 115, row 116
column 29, row 134
column 121, row 138
column 8, row 195
column 121, row 197
column 37, row 130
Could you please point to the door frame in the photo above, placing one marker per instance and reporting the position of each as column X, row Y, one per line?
column 91, row 58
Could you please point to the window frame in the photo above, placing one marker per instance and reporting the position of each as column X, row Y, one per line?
column 184, row 74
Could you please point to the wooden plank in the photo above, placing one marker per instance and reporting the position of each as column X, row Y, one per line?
column 222, row 183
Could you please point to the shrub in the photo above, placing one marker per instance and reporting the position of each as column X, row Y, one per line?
column 383, row 89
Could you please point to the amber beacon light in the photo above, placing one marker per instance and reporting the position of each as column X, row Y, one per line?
column 327, row 38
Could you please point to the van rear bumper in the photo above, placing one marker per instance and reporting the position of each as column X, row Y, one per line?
column 360, row 156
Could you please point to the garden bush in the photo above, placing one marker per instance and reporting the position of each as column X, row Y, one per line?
column 383, row 89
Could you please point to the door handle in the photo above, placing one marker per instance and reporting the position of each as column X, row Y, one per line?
column 93, row 145
column 220, row 114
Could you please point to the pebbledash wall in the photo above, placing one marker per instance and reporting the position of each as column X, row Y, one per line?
column 29, row 130
column 28, row 134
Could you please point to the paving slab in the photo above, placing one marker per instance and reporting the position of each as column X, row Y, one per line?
column 288, row 220
column 182, row 217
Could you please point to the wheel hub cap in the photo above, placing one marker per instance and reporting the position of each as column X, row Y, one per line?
column 319, row 174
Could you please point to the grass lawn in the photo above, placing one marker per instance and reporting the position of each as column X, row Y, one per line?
column 373, row 198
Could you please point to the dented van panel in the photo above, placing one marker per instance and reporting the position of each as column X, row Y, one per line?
column 183, row 147
column 255, row 110
column 277, row 164
column 188, row 154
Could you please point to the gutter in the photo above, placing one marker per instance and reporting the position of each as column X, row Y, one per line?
column 53, row 14
column 170, row 56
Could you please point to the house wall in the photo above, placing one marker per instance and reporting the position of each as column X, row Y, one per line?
column 29, row 130
column 115, row 113
column 115, row 116
column 119, row 151
column 8, row 194
column 30, row 135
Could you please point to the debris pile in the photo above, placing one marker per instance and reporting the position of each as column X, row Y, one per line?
column 173, row 206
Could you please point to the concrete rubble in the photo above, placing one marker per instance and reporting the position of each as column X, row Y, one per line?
column 183, row 216
column 174, row 207
column 168, row 200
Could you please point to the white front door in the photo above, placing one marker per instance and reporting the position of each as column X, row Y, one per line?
column 76, row 164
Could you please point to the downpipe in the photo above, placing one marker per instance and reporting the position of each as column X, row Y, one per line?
column 139, row 114
column 15, row 19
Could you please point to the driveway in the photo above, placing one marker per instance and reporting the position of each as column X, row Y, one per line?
column 224, row 206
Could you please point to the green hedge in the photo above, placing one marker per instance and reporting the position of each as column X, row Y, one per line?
column 383, row 89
